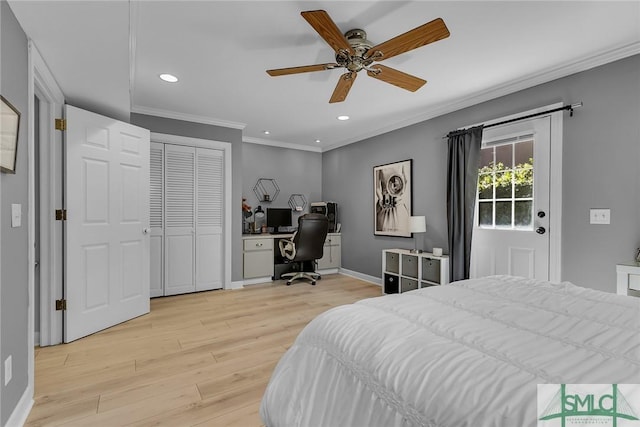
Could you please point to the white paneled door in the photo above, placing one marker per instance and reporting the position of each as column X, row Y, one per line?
column 511, row 233
column 107, row 227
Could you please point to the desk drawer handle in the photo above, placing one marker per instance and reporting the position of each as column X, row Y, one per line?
column 258, row 245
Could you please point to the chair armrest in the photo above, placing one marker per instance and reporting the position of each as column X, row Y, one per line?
column 287, row 248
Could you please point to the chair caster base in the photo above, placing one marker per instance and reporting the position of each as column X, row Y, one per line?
column 313, row 283
column 288, row 283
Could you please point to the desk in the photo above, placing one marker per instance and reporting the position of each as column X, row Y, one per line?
column 261, row 255
column 628, row 279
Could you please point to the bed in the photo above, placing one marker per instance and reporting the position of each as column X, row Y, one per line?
column 470, row 353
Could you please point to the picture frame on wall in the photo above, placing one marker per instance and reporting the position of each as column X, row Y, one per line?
column 9, row 127
column 393, row 197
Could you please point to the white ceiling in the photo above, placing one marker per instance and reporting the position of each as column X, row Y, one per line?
column 107, row 55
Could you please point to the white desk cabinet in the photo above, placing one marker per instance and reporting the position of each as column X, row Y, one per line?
column 258, row 257
column 331, row 253
column 628, row 279
column 403, row 271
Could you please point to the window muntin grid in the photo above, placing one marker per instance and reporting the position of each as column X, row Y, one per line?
column 506, row 185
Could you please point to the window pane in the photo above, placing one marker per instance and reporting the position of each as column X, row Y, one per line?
column 503, row 185
column 503, row 214
column 524, row 153
column 524, row 214
column 485, row 214
column 503, row 155
column 486, row 157
column 523, row 182
column 485, row 186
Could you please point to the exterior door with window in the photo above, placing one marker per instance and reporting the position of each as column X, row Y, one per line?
column 511, row 234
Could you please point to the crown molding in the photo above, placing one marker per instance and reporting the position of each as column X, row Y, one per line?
column 186, row 117
column 281, row 144
column 513, row 86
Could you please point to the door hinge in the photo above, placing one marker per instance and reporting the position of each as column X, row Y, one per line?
column 61, row 214
column 61, row 304
column 61, row 124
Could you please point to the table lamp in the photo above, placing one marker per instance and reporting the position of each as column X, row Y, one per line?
column 417, row 224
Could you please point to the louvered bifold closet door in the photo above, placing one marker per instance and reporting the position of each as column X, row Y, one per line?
column 156, row 165
column 179, row 220
column 209, row 225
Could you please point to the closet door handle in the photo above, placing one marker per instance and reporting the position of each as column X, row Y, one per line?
column 145, row 231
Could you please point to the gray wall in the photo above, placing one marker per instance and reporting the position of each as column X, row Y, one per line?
column 601, row 154
column 295, row 172
column 216, row 133
column 14, row 270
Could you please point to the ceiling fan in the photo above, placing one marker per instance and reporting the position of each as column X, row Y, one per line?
column 355, row 53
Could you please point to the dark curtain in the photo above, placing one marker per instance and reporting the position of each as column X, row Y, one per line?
column 462, row 182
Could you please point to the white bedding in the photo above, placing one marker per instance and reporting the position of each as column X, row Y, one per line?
column 466, row 354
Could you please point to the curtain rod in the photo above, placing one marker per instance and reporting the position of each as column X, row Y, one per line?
column 570, row 107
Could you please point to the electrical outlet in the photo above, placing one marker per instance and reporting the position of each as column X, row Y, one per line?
column 8, row 370
column 600, row 216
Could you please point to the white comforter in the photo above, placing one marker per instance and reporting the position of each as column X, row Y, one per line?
column 466, row 354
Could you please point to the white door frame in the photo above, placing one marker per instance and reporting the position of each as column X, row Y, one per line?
column 43, row 84
column 555, row 183
column 226, row 148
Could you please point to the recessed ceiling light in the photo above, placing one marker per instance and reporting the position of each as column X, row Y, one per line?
column 169, row 78
column 343, row 118
column 317, row 141
column 266, row 132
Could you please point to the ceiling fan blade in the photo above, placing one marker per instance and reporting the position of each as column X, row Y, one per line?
column 302, row 69
column 343, row 87
column 418, row 37
column 397, row 78
column 328, row 30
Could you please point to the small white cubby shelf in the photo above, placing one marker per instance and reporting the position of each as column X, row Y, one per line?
column 404, row 271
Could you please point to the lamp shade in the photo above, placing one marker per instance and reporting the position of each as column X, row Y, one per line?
column 417, row 224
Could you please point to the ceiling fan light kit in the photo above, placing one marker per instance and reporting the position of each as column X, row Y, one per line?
column 355, row 53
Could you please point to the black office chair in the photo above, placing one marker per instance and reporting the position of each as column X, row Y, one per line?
column 305, row 247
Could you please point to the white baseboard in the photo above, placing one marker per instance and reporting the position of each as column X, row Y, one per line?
column 256, row 281
column 236, row 285
column 361, row 276
column 328, row 271
column 21, row 411
column 371, row 279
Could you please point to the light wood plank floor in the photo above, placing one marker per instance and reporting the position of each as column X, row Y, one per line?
column 200, row 359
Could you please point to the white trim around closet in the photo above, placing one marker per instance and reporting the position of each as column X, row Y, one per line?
column 226, row 148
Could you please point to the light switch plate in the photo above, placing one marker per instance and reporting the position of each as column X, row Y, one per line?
column 8, row 370
column 600, row 216
column 16, row 215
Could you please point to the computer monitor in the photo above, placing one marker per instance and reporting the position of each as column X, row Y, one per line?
column 279, row 217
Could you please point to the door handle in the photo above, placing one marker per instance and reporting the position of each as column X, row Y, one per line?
column 541, row 214
column 145, row 231
column 540, row 230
